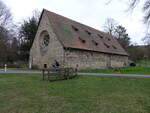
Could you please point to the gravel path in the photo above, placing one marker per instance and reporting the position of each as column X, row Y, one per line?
column 20, row 71
column 82, row 74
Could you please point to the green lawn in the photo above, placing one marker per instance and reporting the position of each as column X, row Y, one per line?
column 143, row 63
column 142, row 67
column 124, row 70
column 20, row 93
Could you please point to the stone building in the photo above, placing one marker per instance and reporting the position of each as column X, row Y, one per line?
column 73, row 44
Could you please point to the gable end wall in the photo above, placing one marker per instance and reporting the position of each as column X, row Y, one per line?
column 55, row 49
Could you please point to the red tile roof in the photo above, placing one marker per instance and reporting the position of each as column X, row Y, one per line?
column 75, row 35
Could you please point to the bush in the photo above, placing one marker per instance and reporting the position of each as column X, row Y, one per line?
column 17, row 64
column 13, row 66
column 132, row 64
column 118, row 70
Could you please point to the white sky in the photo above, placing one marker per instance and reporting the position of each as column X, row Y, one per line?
column 89, row 12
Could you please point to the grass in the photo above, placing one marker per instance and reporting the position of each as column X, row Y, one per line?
column 27, row 93
column 124, row 70
column 143, row 63
column 142, row 67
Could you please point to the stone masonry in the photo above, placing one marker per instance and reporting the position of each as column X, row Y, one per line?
column 68, row 57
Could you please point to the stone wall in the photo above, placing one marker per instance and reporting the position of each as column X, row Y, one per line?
column 68, row 58
column 93, row 60
column 54, row 49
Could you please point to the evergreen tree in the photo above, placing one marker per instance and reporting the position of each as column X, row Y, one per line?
column 27, row 33
column 122, row 36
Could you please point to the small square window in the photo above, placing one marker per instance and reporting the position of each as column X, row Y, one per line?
column 99, row 35
column 94, row 42
column 82, row 40
column 107, row 45
column 89, row 33
column 75, row 28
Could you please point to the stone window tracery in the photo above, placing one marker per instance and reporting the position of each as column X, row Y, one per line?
column 44, row 42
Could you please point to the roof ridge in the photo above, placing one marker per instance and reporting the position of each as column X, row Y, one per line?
column 68, row 37
column 78, row 22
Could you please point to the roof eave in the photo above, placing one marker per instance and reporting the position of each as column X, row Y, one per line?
column 70, row 48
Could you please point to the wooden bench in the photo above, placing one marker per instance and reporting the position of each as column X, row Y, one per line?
column 53, row 74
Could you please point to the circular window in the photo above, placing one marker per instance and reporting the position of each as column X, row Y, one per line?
column 44, row 42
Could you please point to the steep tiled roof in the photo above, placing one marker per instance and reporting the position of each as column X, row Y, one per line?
column 75, row 35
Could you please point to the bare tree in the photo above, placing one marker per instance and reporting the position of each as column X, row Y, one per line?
column 117, row 31
column 146, row 9
column 133, row 4
column 146, row 39
column 3, row 45
column 110, row 25
column 5, row 15
column 36, row 14
column 5, row 34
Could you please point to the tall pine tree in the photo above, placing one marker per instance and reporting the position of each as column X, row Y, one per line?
column 26, row 35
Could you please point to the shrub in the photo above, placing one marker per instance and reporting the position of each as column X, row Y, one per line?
column 132, row 64
column 118, row 70
column 13, row 66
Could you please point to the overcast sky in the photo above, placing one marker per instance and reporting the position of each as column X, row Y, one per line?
column 89, row 12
